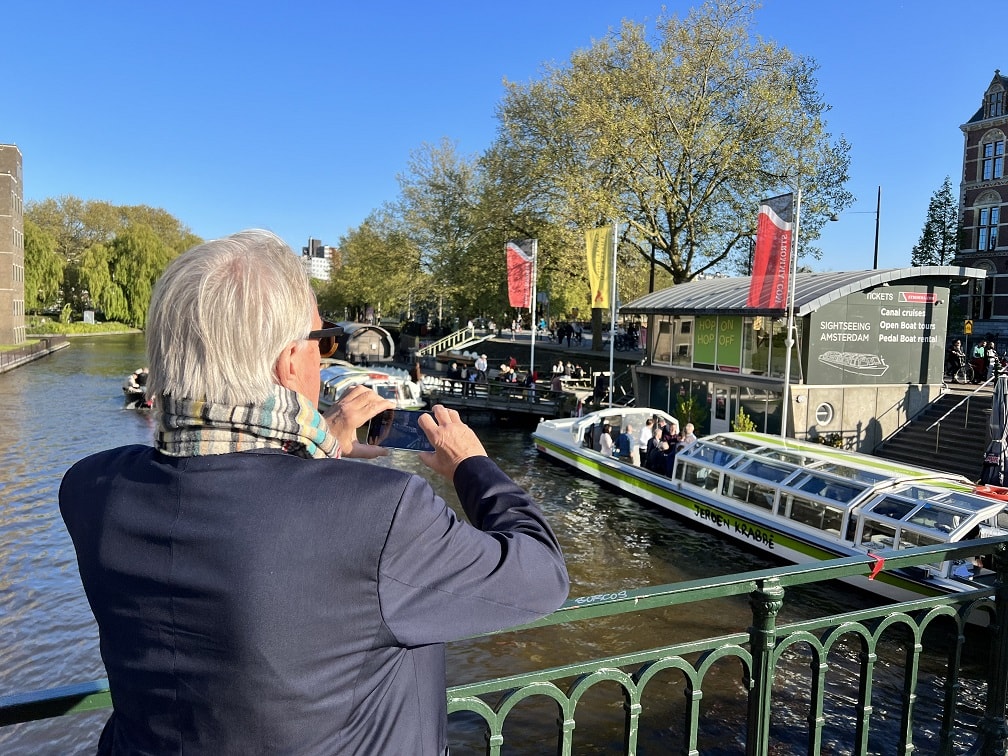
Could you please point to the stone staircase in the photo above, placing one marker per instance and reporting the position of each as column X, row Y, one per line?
column 957, row 445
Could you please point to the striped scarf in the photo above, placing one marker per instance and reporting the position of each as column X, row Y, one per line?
column 286, row 420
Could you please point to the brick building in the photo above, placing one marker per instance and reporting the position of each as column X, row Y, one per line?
column 983, row 197
column 12, row 306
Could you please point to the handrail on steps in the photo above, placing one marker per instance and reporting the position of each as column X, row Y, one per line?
column 959, row 404
column 965, row 400
column 449, row 341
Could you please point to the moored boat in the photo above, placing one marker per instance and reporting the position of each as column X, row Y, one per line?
column 391, row 383
column 801, row 502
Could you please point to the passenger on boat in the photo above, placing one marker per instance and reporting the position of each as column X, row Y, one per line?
column 256, row 591
column 626, row 446
column 605, row 441
column 655, row 460
column 646, row 432
column 668, row 457
column 688, row 436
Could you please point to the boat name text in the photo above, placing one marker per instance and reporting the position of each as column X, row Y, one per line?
column 730, row 523
column 601, row 597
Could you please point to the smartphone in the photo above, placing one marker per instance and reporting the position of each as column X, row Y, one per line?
column 398, row 429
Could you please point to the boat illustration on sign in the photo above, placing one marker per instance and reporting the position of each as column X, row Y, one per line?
column 855, row 362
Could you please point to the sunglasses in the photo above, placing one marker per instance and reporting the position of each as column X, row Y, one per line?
column 327, row 338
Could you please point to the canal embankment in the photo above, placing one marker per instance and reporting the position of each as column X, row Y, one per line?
column 42, row 346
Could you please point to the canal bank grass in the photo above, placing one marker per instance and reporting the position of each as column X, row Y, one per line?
column 22, row 345
column 38, row 326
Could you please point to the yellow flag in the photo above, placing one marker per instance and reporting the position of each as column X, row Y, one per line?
column 599, row 243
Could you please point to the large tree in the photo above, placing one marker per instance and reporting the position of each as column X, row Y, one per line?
column 379, row 268
column 676, row 137
column 118, row 277
column 439, row 204
column 77, row 226
column 938, row 240
column 43, row 268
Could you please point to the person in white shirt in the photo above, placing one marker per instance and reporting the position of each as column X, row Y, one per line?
column 645, row 435
column 606, row 441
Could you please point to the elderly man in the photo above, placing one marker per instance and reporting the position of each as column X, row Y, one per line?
column 255, row 591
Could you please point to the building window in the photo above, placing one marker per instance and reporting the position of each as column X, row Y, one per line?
column 993, row 160
column 995, row 104
column 987, row 228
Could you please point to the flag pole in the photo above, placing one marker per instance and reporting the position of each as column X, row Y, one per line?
column 612, row 318
column 789, row 341
column 532, row 303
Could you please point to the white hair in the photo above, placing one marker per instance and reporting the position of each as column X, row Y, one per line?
column 221, row 314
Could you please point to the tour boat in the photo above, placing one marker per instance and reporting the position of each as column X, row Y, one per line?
column 799, row 501
column 392, row 383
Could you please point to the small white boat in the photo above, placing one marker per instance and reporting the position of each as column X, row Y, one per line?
column 801, row 502
column 135, row 390
column 391, row 383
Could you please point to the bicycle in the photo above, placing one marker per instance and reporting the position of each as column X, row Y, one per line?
column 960, row 371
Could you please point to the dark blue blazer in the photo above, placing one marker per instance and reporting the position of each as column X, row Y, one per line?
column 261, row 603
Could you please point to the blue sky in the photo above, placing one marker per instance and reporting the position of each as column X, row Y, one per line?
column 298, row 116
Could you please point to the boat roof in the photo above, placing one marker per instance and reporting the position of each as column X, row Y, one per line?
column 729, row 296
column 337, row 372
column 845, row 479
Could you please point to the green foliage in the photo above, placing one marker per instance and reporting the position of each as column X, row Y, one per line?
column 379, row 267
column 45, row 326
column 66, row 315
column 689, row 409
column 938, row 243
column 831, row 439
column 93, row 239
column 742, row 422
column 119, row 277
column 43, row 268
column 678, row 136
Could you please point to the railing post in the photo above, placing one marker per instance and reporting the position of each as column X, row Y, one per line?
column 993, row 728
column 766, row 602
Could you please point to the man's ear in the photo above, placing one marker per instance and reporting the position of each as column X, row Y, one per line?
column 286, row 366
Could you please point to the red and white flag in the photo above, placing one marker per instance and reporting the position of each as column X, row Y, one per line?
column 519, row 271
column 768, row 287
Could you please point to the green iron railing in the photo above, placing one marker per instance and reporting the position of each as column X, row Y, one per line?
column 758, row 649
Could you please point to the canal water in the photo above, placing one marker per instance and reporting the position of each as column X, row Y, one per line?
column 65, row 406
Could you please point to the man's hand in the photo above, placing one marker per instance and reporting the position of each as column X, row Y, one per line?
column 354, row 409
column 453, row 441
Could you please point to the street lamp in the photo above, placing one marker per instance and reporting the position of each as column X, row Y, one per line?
column 878, row 214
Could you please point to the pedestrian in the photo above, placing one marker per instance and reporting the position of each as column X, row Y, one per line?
column 991, row 356
column 258, row 589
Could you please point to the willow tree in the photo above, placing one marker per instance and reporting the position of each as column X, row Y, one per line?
column 43, row 268
column 78, row 226
column 119, row 276
column 677, row 136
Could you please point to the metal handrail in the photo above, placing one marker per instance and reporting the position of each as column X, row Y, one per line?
column 757, row 648
column 453, row 339
column 960, row 404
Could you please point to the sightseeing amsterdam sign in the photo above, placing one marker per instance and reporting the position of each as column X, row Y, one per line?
column 888, row 334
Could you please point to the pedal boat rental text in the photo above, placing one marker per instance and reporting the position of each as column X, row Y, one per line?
column 801, row 502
